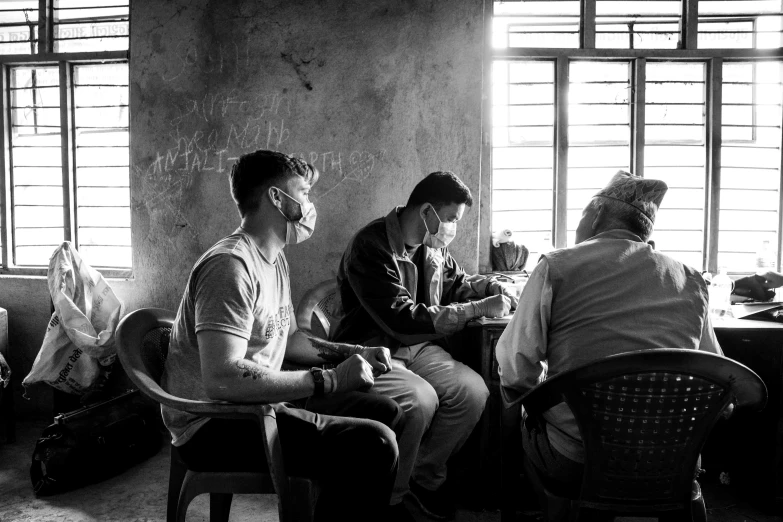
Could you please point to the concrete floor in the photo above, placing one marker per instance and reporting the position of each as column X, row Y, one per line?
column 139, row 495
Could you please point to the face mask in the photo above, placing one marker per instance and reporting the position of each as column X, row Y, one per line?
column 301, row 224
column 441, row 239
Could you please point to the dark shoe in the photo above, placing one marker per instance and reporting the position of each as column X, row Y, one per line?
column 437, row 504
column 398, row 513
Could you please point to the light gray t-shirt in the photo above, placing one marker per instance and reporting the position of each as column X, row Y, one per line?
column 232, row 288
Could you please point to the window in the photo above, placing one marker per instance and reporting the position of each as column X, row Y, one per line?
column 687, row 91
column 66, row 140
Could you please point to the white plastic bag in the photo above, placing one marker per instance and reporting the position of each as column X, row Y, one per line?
column 78, row 347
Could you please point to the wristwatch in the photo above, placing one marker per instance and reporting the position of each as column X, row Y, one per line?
column 318, row 379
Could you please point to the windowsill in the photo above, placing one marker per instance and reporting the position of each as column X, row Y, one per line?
column 36, row 273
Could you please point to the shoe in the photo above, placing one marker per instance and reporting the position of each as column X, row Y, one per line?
column 437, row 504
column 398, row 513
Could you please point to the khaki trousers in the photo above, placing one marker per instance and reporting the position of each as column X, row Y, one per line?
column 442, row 400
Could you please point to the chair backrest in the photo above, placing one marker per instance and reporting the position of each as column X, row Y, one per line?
column 323, row 302
column 142, row 346
column 142, row 339
column 644, row 417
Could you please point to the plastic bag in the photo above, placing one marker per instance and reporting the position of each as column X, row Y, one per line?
column 78, row 348
column 509, row 256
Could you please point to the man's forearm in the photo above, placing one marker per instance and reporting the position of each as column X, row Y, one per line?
column 307, row 349
column 242, row 380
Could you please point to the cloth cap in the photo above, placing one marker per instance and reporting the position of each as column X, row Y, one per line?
column 645, row 195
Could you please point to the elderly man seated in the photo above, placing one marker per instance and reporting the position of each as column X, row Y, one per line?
column 610, row 293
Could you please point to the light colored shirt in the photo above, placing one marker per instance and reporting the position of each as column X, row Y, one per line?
column 523, row 354
column 231, row 289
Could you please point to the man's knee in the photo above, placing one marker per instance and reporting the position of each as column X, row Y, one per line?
column 388, row 412
column 468, row 392
column 377, row 440
column 422, row 405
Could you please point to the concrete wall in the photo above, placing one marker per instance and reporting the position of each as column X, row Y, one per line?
column 375, row 94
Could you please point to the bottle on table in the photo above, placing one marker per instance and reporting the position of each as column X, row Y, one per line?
column 720, row 295
column 766, row 257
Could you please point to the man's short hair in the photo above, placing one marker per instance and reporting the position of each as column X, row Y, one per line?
column 260, row 170
column 440, row 189
column 621, row 215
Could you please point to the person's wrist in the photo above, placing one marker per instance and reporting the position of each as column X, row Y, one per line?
column 318, row 381
column 330, row 381
column 493, row 288
column 355, row 350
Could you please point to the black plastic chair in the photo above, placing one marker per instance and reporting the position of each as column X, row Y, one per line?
column 142, row 344
column 643, row 417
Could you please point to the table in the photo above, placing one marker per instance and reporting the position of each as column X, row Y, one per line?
column 749, row 448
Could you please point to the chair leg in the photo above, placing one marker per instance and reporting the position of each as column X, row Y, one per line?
column 177, row 471
column 187, row 493
column 698, row 508
column 556, row 509
column 300, row 504
column 7, row 410
column 219, row 506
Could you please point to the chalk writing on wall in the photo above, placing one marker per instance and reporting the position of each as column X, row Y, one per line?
column 223, row 58
column 208, row 134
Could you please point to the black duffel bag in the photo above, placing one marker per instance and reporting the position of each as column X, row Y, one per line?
column 94, row 443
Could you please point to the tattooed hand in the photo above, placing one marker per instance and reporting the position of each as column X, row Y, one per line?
column 354, row 373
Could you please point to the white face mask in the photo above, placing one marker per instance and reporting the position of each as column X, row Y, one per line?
column 444, row 235
column 300, row 225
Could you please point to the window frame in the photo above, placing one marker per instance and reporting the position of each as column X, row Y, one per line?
column 687, row 51
column 65, row 62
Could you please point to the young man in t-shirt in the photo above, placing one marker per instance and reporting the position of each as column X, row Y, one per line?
column 235, row 325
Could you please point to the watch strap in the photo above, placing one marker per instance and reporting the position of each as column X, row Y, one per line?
column 318, row 380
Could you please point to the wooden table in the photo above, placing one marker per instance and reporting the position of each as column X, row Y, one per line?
column 749, row 448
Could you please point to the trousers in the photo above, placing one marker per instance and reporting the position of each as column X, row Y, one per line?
column 354, row 459
column 442, row 401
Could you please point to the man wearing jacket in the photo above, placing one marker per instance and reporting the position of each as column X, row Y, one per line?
column 401, row 288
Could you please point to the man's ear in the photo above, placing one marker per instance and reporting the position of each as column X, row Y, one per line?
column 275, row 197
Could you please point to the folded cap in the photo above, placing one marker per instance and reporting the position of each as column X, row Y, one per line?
column 645, row 195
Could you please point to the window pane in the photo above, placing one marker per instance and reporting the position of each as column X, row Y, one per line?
column 19, row 31
column 599, row 131
column 675, row 152
column 750, row 161
column 740, row 24
column 36, row 160
column 102, row 163
column 523, row 151
column 536, row 23
column 90, row 25
column 648, row 24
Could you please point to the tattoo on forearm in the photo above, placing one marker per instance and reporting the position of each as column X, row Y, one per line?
column 249, row 371
column 326, row 350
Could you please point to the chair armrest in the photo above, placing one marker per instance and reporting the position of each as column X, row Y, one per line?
column 266, row 417
column 543, row 397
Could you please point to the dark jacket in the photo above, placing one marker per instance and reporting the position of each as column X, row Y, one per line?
column 379, row 284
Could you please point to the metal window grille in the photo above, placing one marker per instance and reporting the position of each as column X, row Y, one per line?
column 752, row 94
column 523, row 154
column 19, row 27
column 599, row 130
column 66, row 170
column 675, row 152
column 701, row 112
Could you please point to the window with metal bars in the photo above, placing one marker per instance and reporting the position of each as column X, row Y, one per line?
column 687, row 91
column 66, row 160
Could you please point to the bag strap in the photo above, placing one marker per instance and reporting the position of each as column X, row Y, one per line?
column 42, row 485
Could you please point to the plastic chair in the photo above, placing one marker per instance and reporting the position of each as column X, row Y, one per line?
column 323, row 302
column 142, row 344
column 643, row 417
